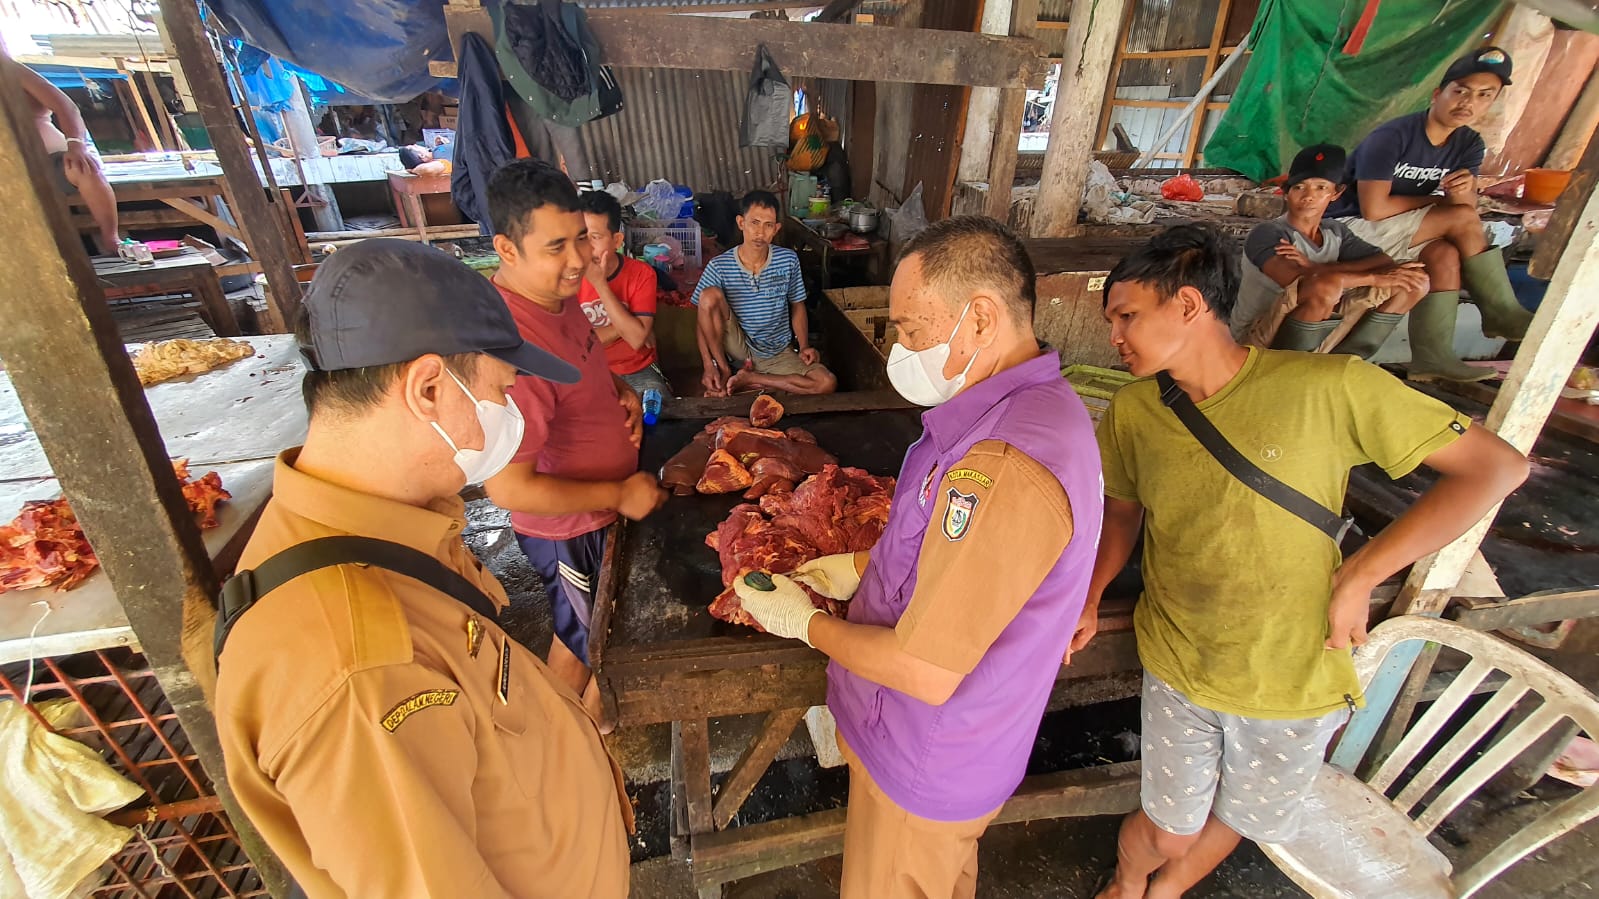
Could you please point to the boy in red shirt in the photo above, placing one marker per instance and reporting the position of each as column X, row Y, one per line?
column 577, row 468
column 618, row 296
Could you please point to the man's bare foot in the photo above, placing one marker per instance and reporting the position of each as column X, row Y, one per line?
column 1118, row 889
column 740, row 380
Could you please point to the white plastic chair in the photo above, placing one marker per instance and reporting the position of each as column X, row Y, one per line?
column 1356, row 842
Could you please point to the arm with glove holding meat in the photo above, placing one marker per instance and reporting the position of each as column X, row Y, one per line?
column 959, row 616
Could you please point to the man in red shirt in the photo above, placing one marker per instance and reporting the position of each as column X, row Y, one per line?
column 577, row 468
column 618, row 296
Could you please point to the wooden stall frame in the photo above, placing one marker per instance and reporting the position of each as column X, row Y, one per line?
column 635, row 38
column 1087, row 65
column 88, row 409
column 1213, row 54
column 256, row 208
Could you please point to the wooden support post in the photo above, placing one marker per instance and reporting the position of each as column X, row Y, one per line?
column 251, row 203
column 140, row 107
column 302, row 137
column 179, row 80
column 1578, row 129
column 103, row 444
column 982, row 110
column 1008, row 129
column 757, row 757
column 1196, row 129
column 1559, row 333
column 158, row 107
column 1090, row 44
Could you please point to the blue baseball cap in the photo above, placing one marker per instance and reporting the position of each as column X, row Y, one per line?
column 384, row 301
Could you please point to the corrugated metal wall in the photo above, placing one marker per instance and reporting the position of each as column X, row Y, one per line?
column 681, row 125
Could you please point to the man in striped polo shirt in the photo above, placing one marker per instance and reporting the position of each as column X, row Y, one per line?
column 753, row 328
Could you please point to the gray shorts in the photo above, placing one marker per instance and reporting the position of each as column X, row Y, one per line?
column 58, row 174
column 647, row 377
column 1252, row 773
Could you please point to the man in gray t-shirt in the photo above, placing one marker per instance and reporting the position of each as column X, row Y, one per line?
column 1309, row 283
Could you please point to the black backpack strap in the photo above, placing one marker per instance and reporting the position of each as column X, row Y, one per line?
column 246, row 588
column 1249, row 473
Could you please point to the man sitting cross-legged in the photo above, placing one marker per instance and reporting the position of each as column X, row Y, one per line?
column 752, row 309
column 1415, row 197
column 1310, row 284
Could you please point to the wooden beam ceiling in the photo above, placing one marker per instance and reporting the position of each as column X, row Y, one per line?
column 640, row 39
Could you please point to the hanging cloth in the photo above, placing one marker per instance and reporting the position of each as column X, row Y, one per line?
column 483, row 140
column 566, row 84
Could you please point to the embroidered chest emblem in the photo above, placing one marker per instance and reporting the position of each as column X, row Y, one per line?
column 958, row 516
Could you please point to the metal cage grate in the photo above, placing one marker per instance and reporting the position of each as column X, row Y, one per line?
column 183, row 844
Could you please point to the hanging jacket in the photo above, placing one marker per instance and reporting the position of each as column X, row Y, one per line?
column 483, row 139
column 568, row 65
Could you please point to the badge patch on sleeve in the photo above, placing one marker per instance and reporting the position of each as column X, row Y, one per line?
column 958, row 516
column 397, row 715
column 973, row 475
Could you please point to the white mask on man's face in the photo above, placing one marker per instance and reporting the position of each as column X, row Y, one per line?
column 502, row 436
column 918, row 375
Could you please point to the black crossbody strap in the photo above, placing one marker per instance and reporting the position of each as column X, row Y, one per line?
column 1244, row 470
column 246, row 588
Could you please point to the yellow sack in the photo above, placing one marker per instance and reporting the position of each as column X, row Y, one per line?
column 51, row 835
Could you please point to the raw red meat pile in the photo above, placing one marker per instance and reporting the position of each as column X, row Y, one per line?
column 734, row 454
column 839, row 510
column 44, row 545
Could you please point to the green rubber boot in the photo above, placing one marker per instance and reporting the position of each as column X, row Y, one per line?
column 1369, row 334
column 1502, row 314
column 1303, row 337
column 1432, row 341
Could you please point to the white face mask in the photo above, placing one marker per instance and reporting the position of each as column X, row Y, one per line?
column 918, row 375
column 502, row 435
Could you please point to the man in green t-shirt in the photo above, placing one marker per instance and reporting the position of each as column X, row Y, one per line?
column 1248, row 611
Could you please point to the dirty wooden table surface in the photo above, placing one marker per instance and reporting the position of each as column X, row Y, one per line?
column 231, row 420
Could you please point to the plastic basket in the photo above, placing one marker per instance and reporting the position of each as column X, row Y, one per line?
column 685, row 231
column 1093, row 381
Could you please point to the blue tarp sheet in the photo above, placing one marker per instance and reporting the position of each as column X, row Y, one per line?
column 73, row 76
column 376, row 48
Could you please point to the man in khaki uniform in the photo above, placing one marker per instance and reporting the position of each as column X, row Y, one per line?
column 385, row 738
column 942, row 669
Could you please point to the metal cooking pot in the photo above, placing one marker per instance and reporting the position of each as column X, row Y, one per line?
column 862, row 219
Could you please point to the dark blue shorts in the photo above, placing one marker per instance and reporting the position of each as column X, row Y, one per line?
column 571, row 570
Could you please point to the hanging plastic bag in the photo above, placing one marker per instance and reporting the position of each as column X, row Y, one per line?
column 768, row 105
column 1183, row 187
column 660, row 201
column 909, row 220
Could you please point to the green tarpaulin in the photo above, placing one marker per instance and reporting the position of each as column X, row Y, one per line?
column 1300, row 89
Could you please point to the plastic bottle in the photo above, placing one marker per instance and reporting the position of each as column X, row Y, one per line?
column 652, row 406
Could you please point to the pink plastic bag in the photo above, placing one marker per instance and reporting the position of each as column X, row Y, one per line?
column 1182, row 187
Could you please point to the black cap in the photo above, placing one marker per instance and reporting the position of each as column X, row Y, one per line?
column 1492, row 60
column 383, row 301
column 1320, row 161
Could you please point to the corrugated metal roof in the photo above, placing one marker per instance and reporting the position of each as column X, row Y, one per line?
column 682, row 125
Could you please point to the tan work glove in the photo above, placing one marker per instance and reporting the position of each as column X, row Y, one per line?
column 785, row 611
column 832, row 576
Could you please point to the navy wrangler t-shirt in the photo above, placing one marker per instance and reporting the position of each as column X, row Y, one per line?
column 1399, row 152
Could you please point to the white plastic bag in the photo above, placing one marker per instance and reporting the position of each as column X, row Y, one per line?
column 909, row 220
column 660, row 201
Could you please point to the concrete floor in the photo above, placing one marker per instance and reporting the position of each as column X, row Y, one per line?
column 1037, row 860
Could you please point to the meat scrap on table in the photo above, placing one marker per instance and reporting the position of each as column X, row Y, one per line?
column 733, row 454
column 44, row 545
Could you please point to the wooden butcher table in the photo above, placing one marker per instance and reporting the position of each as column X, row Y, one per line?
column 660, row 657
